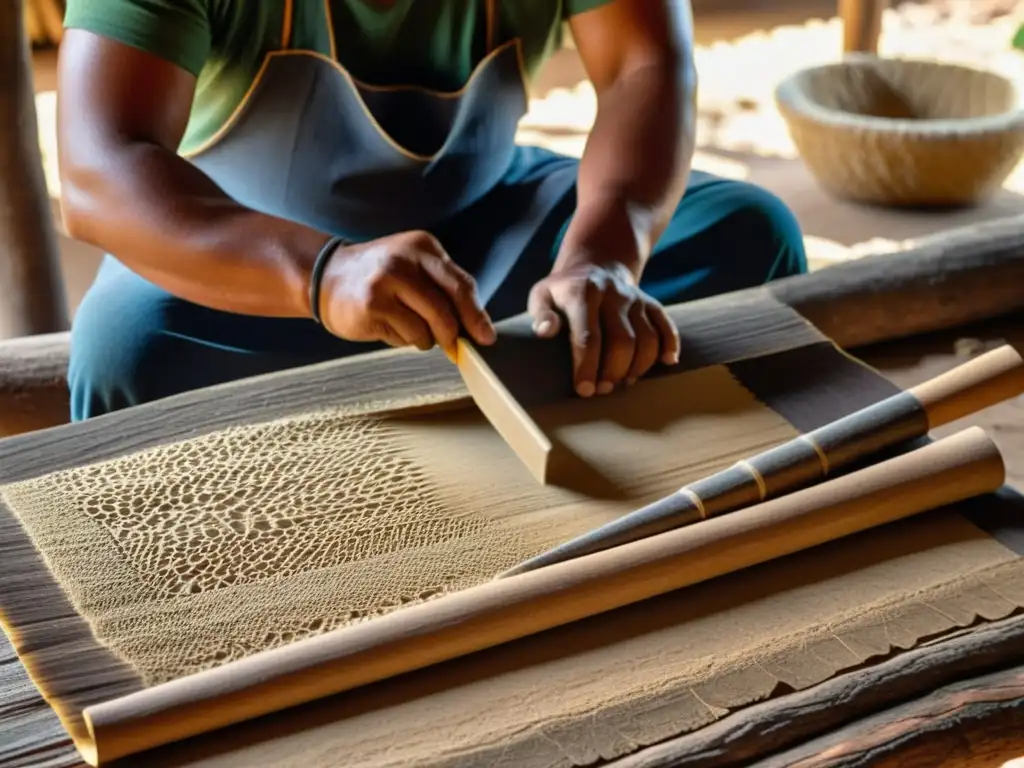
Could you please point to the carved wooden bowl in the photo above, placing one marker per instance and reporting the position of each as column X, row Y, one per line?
column 904, row 132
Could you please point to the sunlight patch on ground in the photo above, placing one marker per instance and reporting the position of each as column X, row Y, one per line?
column 719, row 165
column 822, row 252
column 46, row 115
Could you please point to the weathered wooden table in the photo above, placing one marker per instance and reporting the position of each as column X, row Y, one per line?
column 958, row 701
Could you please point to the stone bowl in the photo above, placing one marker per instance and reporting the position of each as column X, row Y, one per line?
column 904, row 132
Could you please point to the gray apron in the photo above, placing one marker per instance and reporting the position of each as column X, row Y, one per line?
column 314, row 145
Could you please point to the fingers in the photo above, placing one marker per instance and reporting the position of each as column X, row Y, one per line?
column 460, row 289
column 617, row 332
column 408, row 326
column 667, row 333
column 422, row 295
column 385, row 333
column 425, row 281
column 648, row 343
column 540, row 305
column 583, row 313
column 618, row 338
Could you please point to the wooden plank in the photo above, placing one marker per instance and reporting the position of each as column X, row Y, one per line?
column 31, row 736
column 374, row 375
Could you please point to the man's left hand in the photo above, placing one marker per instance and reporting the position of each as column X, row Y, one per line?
column 617, row 331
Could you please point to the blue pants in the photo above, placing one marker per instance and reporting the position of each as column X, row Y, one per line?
column 132, row 342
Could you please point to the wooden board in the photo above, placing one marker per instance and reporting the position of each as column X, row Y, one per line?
column 992, row 646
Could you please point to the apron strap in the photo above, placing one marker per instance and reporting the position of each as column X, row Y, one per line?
column 287, row 18
column 491, row 22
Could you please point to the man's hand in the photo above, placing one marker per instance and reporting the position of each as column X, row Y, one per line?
column 617, row 331
column 403, row 290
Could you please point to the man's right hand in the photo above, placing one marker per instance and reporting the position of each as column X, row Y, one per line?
column 403, row 290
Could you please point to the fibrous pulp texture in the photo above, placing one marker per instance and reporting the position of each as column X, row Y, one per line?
column 200, row 552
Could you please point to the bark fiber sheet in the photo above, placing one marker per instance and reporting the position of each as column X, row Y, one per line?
column 133, row 570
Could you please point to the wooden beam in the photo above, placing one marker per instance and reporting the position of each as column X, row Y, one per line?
column 862, row 24
column 952, row 278
column 32, row 297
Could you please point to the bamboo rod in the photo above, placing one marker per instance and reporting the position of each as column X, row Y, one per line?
column 982, row 382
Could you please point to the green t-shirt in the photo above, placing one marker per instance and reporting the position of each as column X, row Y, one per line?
column 430, row 43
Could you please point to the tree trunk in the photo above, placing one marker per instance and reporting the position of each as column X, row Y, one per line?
column 31, row 289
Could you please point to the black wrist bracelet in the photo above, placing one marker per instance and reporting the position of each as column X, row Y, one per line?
column 316, row 277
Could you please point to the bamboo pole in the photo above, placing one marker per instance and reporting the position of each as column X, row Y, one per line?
column 32, row 297
column 862, row 24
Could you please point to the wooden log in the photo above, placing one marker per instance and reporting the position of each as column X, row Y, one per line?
column 862, row 24
column 951, row 279
column 33, row 389
column 973, row 723
column 31, row 289
column 799, row 725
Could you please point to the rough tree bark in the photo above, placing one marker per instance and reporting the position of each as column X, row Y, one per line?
column 32, row 297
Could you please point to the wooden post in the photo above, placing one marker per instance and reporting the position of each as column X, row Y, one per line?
column 862, row 24
column 32, row 297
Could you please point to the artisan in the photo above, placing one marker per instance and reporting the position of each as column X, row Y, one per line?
column 283, row 182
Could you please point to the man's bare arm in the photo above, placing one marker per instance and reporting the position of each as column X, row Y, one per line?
column 639, row 56
column 122, row 114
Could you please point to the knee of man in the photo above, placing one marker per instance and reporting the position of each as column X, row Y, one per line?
column 105, row 369
column 765, row 234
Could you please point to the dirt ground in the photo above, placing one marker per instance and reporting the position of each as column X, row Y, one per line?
column 744, row 49
column 742, row 135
